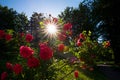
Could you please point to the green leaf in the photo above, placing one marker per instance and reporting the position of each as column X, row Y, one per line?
column 89, row 33
column 10, row 31
column 71, row 43
column 41, row 23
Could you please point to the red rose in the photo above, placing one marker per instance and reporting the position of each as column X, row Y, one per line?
column 2, row 34
column 4, row 75
column 79, row 43
column 107, row 44
column 82, row 36
column 33, row 62
column 67, row 26
column 8, row 37
column 29, row 38
column 22, row 35
column 9, row 66
column 42, row 45
column 76, row 74
column 45, row 52
column 17, row 68
column 26, row 52
column 55, row 20
column 62, row 37
column 61, row 47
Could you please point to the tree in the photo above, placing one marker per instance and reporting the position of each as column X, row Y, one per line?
column 7, row 17
column 34, row 26
column 21, row 22
column 10, row 19
column 80, row 18
column 106, row 13
column 99, row 16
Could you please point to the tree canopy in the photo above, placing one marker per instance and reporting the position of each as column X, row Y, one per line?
column 106, row 12
column 99, row 16
column 10, row 19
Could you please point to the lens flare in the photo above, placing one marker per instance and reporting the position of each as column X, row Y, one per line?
column 51, row 29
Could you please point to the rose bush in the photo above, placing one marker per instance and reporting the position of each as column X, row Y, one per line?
column 44, row 62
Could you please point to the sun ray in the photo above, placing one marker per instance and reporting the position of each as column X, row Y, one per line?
column 51, row 29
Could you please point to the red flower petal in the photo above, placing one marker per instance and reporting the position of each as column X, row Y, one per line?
column 26, row 52
column 29, row 38
column 9, row 66
column 33, row 62
column 4, row 75
column 76, row 74
column 45, row 52
column 17, row 68
column 61, row 47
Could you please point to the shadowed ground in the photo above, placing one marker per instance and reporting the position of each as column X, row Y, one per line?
column 112, row 72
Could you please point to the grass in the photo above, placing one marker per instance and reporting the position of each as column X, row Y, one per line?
column 66, row 72
column 92, row 75
column 105, row 62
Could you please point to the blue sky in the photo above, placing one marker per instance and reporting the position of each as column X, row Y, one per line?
column 53, row 7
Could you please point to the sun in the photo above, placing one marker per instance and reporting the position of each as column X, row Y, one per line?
column 51, row 29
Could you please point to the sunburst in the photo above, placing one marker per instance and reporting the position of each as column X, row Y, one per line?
column 51, row 29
